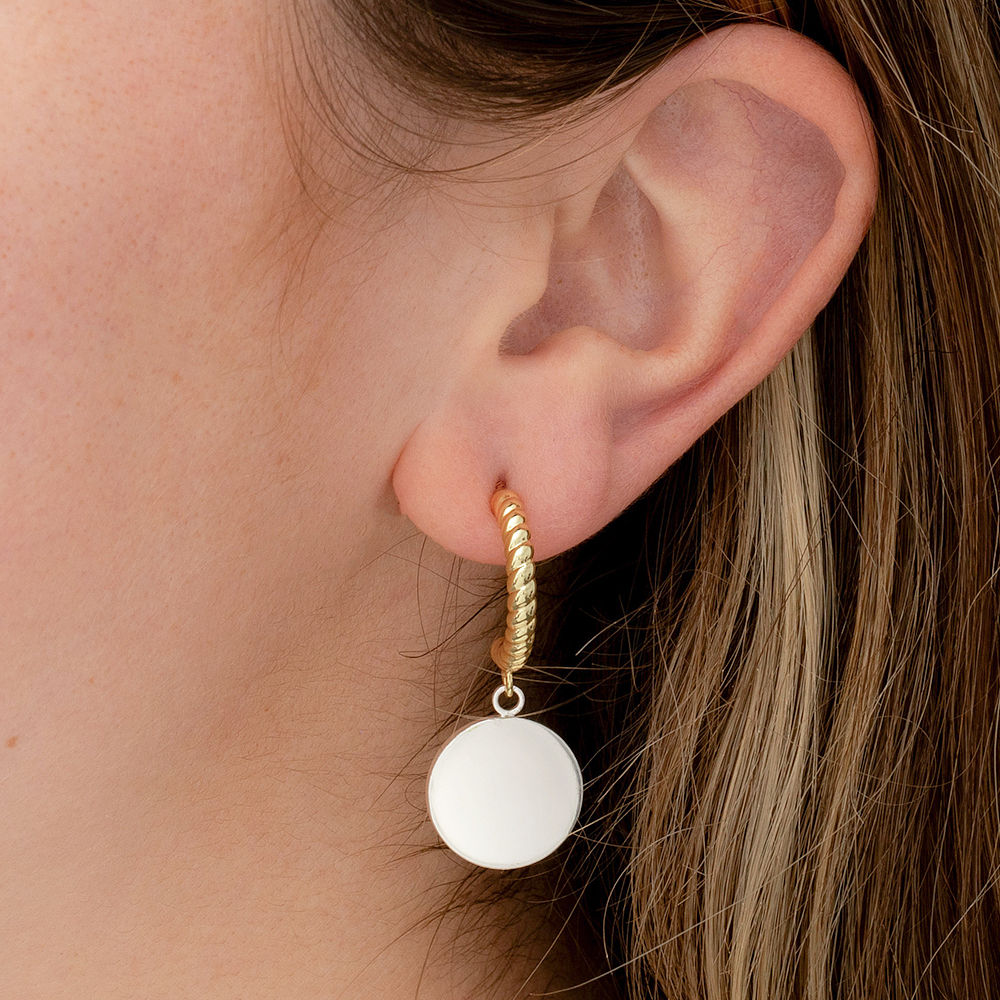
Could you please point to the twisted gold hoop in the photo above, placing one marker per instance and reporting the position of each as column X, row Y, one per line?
column 511, row 652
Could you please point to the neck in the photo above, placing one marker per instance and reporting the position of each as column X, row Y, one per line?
column 254, row 825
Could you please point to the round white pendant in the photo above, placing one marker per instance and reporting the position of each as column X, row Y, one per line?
column 505, row 792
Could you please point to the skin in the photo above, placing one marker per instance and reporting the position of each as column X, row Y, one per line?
column 212, row 408
column 201, row 734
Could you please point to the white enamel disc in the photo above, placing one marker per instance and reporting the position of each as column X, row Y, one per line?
column 505, row 792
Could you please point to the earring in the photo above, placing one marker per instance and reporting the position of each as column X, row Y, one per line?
column 505, row 792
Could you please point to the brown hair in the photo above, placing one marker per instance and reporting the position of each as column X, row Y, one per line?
column 787, row 680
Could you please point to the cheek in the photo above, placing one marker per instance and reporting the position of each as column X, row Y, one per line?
column 124, row 171
column 135, row 188
column 136, row 151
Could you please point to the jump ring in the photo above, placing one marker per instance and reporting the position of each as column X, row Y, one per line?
column 508, row 713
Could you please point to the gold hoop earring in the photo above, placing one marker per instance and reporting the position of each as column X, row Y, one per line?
column 505, row 792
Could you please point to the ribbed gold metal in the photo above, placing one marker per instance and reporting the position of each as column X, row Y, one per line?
column 511, row 652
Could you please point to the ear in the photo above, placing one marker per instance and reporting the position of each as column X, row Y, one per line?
column 727, row 198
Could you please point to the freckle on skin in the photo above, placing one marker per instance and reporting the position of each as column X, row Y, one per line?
column 12, row 742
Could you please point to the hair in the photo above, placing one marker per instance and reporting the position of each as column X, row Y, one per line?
column 786, row 651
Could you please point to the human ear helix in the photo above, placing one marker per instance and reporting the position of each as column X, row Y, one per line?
column 505, row 792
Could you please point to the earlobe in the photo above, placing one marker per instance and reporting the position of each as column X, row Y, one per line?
column 718, row 232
